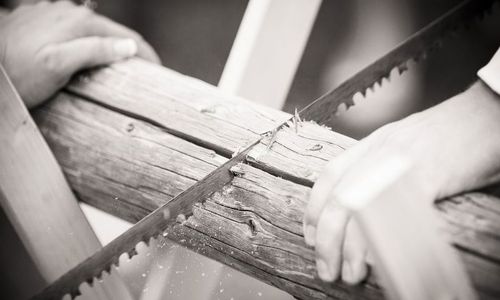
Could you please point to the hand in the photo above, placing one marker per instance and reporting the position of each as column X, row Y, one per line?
column 43, row 45
column 454, row 147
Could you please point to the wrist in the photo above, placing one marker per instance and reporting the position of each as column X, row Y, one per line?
column 469, row 148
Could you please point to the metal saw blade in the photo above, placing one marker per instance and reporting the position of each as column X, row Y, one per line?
column 149, row 227
column 416, row 47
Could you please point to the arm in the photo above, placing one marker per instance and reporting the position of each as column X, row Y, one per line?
column 451, row 148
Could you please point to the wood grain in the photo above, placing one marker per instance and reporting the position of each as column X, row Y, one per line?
column 187, row 107
column 91, row 141
column 133, row 136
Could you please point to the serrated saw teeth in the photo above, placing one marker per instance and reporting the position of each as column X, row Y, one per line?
column 363, row 92
column 416, row 48
column 131, row 253
column 108, row 270
column 402, row 68
column 90, row 281
column 349, row 102
column 75, row 293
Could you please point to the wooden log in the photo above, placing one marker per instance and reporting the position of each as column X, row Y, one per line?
column 132, row 136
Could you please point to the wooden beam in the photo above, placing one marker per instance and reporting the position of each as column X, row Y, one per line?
column 132, row 136
column 268, row 48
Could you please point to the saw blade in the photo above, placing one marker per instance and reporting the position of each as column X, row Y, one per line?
column 320, row 111
column 149, row 227
column 416, row 47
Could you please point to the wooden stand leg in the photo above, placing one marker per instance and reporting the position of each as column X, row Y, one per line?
column 268, row 48
column 37, row 199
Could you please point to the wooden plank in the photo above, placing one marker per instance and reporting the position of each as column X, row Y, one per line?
column 129, row 170
column 38, row 201
column 268, row 48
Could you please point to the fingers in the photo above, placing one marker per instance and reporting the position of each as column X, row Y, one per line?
column 329, row 240
column 80, row 21
column 324, row 185
column 63, row 60
column 325, row 222
column 319, row 197
column 102, row 26
column 354, row 255
column 339, row 244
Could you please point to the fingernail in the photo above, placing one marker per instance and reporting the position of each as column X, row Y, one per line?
column 323, row 272
column 125, row 48
column 347, row 272
column 310, row 235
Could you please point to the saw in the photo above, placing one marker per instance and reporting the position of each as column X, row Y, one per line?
column 416, row 47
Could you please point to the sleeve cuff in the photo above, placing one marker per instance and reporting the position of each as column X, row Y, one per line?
column 490, row 74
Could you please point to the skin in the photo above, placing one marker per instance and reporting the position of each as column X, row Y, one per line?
column 43, row 45
column 452, row 148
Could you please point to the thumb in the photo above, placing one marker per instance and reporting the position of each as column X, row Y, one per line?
column 75, row 55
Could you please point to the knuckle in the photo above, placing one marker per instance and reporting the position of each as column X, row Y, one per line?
column 104, row 46
column 51, row 64
column 96, row 45
column 82, row 13
column 50, row 60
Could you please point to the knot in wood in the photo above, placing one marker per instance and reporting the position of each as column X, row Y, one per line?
column 252, row 226
column 130, row 127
